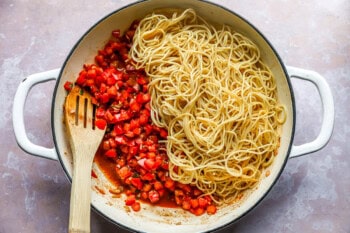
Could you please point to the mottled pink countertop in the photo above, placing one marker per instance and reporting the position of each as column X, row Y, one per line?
column 313, row 193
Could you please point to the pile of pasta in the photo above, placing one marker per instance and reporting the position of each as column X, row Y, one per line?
column 218, row 100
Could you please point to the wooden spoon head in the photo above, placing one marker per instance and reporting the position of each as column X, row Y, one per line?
column 80, row 121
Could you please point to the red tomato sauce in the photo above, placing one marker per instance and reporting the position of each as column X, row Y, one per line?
column 133, row 152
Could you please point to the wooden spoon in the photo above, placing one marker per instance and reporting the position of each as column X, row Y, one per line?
column 84, row 140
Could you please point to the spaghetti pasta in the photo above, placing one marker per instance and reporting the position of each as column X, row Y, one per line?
column 218, row 100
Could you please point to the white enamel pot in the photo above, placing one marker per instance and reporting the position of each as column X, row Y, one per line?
column 157, row 219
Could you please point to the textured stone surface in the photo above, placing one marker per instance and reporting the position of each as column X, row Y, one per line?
column 313, row 193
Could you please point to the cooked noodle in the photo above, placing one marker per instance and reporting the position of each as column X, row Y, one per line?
column 218, row 100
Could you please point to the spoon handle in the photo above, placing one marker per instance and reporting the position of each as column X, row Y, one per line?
column 80, row 199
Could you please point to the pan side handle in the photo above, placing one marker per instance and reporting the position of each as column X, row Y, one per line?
column 18, row 116
column 327, row 108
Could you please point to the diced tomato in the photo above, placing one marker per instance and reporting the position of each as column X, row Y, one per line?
column 116, row 45
column 99, row 59
column 131, row 199
column 148, row 177
column 120, row 140
column 197, row 192
column 116, row 33
column 148, row 128
column 129, row 134
column 161, row 175
column 109, row 50
column 143, row 119
column 121, row 163
column 110, row 117
column 124, row 173
column 161, row 192
column 137, row 183
column 185, row 187
column 152, row 148
column 137, row 131
column 112, row 143
column 153, row 196
column 170, row 184
column 149, row 164
column 156, row 128
column 199, row 211
column 141, row 80
column 135, row 107
column 163, row 133
column 111, row 81
column 158, row 185
column 90, row 82
column 144, row 195
column 118, row 129
column 105, row 145
column 118, row 76
column 68, row 86
column 111, row 153
column 133, row 150
column 130, row 190
column 202, row 202
column 104, row 98
column 101, row 124
column 165, row 165
column 178, row 200
column 124, row 95
column 122, row 116
column 80, row 80
column 130, row 34
column 186, row 205
column 136, row 206
column 211, row 209
column 100, row 112
column 179, row 193
column 147, row 187
column 112, row 92
column 132, row 162
column 143, row 98
column 124, row 148
column 91, row 74
column 194, row 203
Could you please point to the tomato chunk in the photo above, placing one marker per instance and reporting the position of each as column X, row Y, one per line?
column 111, row 153
column 130, row 200
column 68, row 86
column 211, row 209
column 101, row 124
column 153, row 196
column 137, row 183
column 136, row 206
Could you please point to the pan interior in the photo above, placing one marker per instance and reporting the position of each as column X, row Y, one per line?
column 167, row 219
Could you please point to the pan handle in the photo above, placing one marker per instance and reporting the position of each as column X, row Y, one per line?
column 18, row 116
column 328, row 111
